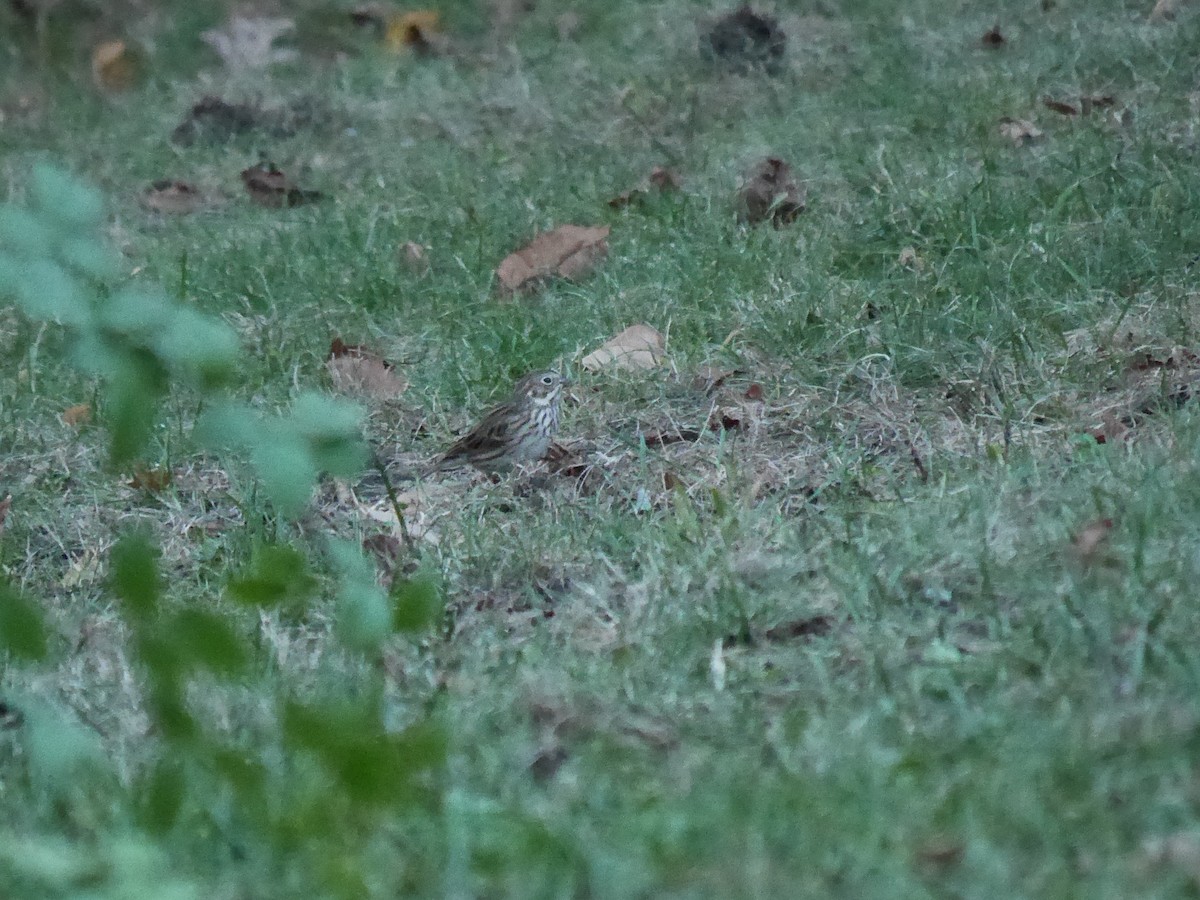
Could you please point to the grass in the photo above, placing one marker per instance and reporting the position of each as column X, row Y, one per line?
column 850, row 649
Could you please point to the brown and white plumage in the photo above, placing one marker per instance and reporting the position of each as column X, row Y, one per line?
column 519, row 430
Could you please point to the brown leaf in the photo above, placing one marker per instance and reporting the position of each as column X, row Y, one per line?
column 413, row 30
column 567, row 251
column 414, row 257
column 993, row 38
column 813, row 626
column 153, row 480
column 660, row 180
column 1164, row 11
column 1114, row 431
column 357, row 370
column 910, row 259
column 1090, row 540
column 1019, row 131
column 114, row 67
column 725, row 420
column 770, row 192
column 708, row 378
column 1096, row 101
column 269, row 187
column 1065, row 109
column 754, row 392
column 79, row 414
column 171, row 196
column 216, row 120
column 637, row 347
column 744, row 40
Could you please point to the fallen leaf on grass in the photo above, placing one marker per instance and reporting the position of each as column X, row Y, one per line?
column 79, row 414
column 708, row 378
column 414, row 257
column 637, row 347
column 1096, row 101
column 660, row 180
column 249, row 43
column 414, row 30
column 910, row 259
column 992, row 38
column 114, row 67
column 1058, row 106
column 1020, row 131
column 744, row 40
column 1164, row 11
column 770, row 192
column 813, row 626
column 1113, row 431
column 661, row 437
column 268, row 186
column 216, row 120
column 567, row 251
column 154, row 480
column 1090, row 540
column 171, row 196
column 754, row 392
column 357, row 370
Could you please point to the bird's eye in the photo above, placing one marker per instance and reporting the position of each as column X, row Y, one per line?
column 547, row 380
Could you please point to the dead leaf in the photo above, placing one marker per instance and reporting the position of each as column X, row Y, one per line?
column 1020, row 131
column 114, row 67
column 79, row 414
column 813, row 626
column 171, row 196
column 754, row 392
column 1164, row 11
column 1065, row 109
column 269, row 187
column 659, row 181
column 992, row 38
column 1096, row 101
column 216, row 120
column 725, row 420
column 770, row 192
column 567, row 251
column 357, row 370
column 910, row 259
column 413, row 256
column 414, row 30
column 708, row 378
column 637, row 347
column 1113, row 431
column 154, row 480
column 744, row 40
column 1090, row 540
column 246, row 43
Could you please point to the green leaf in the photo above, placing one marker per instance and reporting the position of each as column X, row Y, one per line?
column 22, row 632
column 64, row 198
column 416, row 604
column 364, row 617
column 286, row 470
column 58, row 748
column 89, row 257
column 278, row 576
column 134, row 390
column 135, row 313
column 206, row 640
column 167, row 709
column 161, row 794
column 199, row 347
column 319, row 417
column 133, row 574
column 227, row 425
column 46, row 291
column 23, row 234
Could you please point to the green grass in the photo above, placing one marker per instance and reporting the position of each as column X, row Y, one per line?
column 972, row 710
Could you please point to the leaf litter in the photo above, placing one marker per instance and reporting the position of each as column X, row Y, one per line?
column 268, row 186
column 637, row 347
column 354, row 369
column 770, row 192
column 568, row 251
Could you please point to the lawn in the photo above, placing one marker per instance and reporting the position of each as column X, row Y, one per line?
column 874, row 584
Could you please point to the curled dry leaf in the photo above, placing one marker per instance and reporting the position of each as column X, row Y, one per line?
column 79, row 414
column 1019, row 131
column 153, row 480
column 568, row 251
column 357, row 370
column 170, row 195
column 745, row 40
column 414, row 258
column 1090, row 540
column 992, row 38
column 1060, row 107
column 660, row 181
column 114, row 67
column 754, row 392
column 268, row 186
column 708, row 378
column 249, row 43
column 415, row 30
column 637, row 347
column 1164, row 11
column 770, row 192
